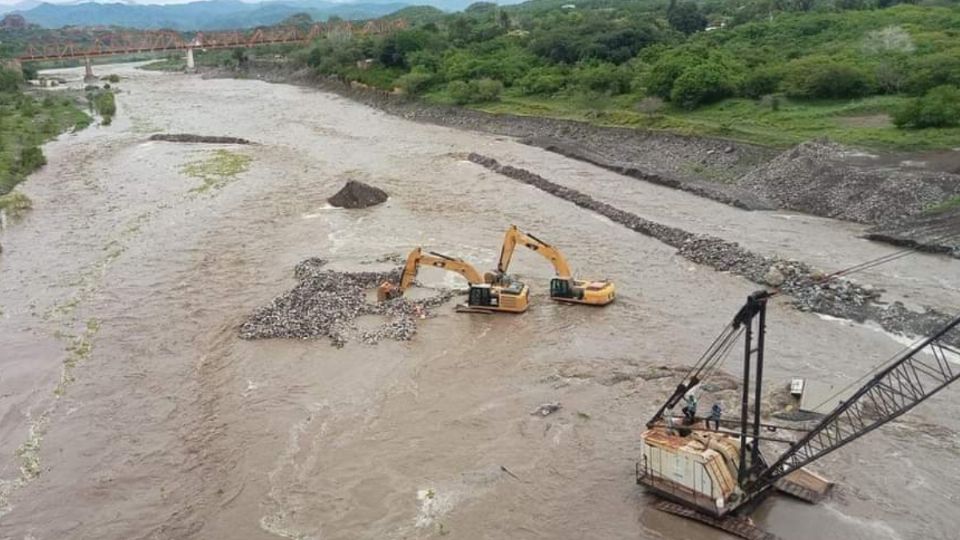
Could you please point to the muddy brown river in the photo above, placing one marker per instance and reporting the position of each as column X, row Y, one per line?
column 129, row 408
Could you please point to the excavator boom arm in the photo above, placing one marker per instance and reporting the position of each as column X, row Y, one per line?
column 514, row 236
column 418, row 258
column 913, row 376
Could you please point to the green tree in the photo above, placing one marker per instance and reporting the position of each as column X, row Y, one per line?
column 543, row 81
column 760, row 83
column 820, row 77
column 701, row 84
column 940, row 107
column 686, row 17
column 9, row 80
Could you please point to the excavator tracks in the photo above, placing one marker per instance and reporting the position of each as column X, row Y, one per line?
column 737, row 526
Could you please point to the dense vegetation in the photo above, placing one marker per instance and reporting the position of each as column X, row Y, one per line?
column 26, row 122
column 767, row 70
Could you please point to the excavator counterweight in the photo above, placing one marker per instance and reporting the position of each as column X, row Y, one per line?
column 482, row 297
column 563, row 288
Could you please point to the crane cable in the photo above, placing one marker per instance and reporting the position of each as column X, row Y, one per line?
column 866, row 266
column 718, row 351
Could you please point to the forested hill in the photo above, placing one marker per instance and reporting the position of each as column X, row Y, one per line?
column 774, row 71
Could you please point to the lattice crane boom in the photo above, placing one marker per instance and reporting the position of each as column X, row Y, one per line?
column 915, row 374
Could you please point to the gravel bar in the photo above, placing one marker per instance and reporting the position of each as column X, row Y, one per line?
column 326, row 303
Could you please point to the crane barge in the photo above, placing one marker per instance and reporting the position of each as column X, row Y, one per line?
column 717, row 476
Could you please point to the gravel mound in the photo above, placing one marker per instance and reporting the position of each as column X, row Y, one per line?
column 326, row 303
column 635, row 158
column 358, row 195
column 805, row 284
column 814, row 178
column 187, row 138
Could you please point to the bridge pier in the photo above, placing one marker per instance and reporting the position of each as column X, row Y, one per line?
column 88, row 76
column 191, row 65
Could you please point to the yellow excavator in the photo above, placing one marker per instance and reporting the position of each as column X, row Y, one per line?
column 483, row 297
column 563, row 288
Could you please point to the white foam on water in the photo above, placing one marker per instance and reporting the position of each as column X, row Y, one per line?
column 906, row 341
column 317, row 213
column 877, row 528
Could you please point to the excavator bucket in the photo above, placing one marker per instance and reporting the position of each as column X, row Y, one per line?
column 387, row 291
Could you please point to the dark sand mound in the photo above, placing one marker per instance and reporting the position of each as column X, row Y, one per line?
column 358, row 195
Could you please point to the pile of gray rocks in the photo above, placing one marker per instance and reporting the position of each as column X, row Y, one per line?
column 808, row 287
column 326, row 303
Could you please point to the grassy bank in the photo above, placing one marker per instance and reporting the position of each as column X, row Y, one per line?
column 27, row 121
column 881, row 76
column 861, row 122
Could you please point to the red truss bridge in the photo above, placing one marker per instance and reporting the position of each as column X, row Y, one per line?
column 118, row 43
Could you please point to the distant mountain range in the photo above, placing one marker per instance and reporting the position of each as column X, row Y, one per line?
column 209, row 14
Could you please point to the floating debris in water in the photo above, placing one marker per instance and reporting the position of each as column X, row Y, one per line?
column 546, row 409
column 326, row 303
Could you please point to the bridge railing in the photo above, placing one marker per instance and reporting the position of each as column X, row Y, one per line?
column 117, row 43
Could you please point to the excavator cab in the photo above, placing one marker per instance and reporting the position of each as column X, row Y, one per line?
column 482, row 295
column 594, row 293
column 561, row 288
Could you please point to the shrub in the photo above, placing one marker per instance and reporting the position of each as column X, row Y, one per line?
column 542, row 80
column 819, row 77
column 933, row 70
column 414, row 83
column 487, row 89
column 475, row 91
column 31, row 159
column 701, row 84
column 940, row 107
column 105, row 104
column 460, row 91
column 602, row 77
column 760, row 83
column 9, row 80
